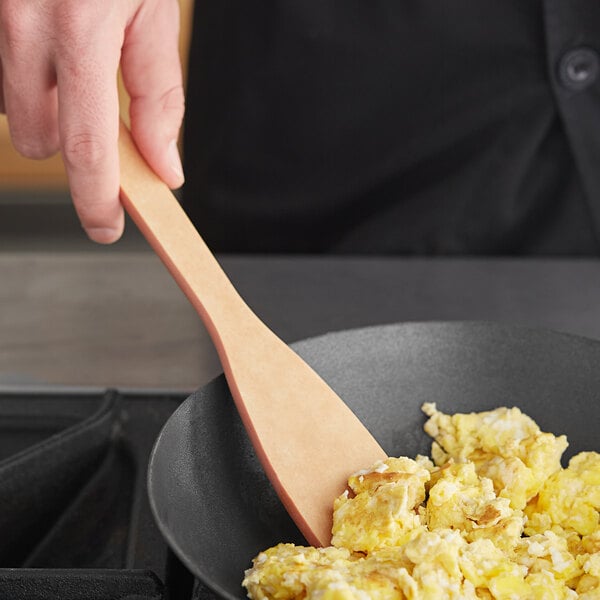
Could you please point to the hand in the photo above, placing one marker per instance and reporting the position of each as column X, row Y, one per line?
column 58, row 76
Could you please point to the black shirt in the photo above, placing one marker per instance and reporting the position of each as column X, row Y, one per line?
column 395, row 126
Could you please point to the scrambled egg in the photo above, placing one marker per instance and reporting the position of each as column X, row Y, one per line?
column 493, row 515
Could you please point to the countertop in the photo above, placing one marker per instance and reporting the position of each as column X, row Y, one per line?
column 118, row 320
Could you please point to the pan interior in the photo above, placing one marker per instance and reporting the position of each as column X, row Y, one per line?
column 216, row 507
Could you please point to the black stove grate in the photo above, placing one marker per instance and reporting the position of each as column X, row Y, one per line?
column 75, row 520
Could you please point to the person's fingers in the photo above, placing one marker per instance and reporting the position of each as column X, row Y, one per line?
column 151, row 70
column 28, row 87
column 86, row 69
column 2, row 110
column 31, row 107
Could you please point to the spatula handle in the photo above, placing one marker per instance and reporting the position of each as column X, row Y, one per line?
column 295, row 421
column 162, row 221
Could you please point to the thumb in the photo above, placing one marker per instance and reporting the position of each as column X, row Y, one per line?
column 151, row 70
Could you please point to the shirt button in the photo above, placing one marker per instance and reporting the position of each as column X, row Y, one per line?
column 579, row 68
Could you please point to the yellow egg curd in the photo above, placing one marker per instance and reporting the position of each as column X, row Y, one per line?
column 492, row 514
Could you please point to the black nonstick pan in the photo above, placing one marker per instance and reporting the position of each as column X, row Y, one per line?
column 217, row 509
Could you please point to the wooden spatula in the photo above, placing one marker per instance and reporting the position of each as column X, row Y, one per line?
column 306, row 438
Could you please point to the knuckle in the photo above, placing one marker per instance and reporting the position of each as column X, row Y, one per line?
column 13, row 23
column 84, row 151
column 173, row 101
column 75, row 20
column 67, row 16
column 169, row 106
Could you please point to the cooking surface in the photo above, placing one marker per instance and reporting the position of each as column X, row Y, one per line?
column 117, row 320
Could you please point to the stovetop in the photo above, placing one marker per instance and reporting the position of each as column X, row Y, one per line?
column 75, row 520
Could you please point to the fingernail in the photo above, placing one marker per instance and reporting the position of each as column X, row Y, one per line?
column 175, row 160
column 103, row 235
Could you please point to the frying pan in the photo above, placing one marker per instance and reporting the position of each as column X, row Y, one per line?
column 215, row 506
